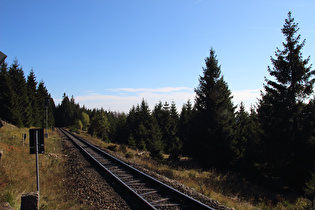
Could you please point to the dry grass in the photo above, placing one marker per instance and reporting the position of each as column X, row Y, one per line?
column 18, row 172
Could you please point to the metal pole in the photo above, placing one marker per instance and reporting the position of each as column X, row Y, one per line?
column 37, row 165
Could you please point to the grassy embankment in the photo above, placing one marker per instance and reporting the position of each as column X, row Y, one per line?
column 229, row 189
column 18, row 172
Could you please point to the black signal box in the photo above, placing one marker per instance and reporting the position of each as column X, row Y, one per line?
column 40, row 139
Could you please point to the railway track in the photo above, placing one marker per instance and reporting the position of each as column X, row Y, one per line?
column 149, row 192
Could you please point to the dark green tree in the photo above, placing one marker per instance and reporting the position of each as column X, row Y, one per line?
column 247, row 132
column 31, row 91
column 242, row 132
column 121, row 135
column 131, row 124
column 21, row 109
column 65, row 112
column 185, row 127
column 41, row 95
column 6, row 93
column 144, row 130
column 281, row 107
column 175, row 142
column 214, row 123
column 155, row 143
column 162, row 115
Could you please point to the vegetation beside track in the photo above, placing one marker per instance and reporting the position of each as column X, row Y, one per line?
column 227, row 188
column 18, row 172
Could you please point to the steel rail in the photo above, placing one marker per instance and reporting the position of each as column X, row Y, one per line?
column 151, row 205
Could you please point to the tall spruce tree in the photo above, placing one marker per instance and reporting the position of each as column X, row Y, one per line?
column 6, row 93
column 31, row 91
column 21, row 113
column 185, row 127
column 215, row 117
column 281, row 108
column 41, row 95
column 242, row 132
column 176, row 143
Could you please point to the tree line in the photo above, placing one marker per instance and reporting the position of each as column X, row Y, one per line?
column 273, row 143
column 22, row 100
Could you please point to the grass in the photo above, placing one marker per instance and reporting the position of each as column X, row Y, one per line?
column 18, row 170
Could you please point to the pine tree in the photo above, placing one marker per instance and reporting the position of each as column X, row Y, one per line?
column 131, row 124
column 214, row 123
column 281, row 107
column 31, row 91
column 185, row 127
column 6, row 93
column 21, row 113
column 176, row 143
column 242, row 132
column 66, row 113
column 121, row 135
column 161, row 113
column 41, row 95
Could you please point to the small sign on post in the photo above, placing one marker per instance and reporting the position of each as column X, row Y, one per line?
column 40, row 142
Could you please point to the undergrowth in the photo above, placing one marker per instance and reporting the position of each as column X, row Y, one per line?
column 229, row 189
column 18, row 170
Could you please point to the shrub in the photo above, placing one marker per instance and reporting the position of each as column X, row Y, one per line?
column 129, row 155
column 112, row 148
column 123, row 149
column 310, row 187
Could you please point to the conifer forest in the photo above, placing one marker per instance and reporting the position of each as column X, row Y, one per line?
column 272, row 144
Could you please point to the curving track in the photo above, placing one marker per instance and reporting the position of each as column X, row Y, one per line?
column 149, row 192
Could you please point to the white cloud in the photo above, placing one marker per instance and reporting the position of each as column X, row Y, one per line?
column 124, row 98
column 248, row 97
column 162, row 90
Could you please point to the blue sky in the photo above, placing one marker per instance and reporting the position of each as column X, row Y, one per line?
column 112, row 54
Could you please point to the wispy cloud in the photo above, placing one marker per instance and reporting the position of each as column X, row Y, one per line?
column 152, row 90
column 195, row 3
column 248, row 97
column 122, row 99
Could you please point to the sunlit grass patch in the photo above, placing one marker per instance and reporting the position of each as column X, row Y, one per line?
column 18, row 170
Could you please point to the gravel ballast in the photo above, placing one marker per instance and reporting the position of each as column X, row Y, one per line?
column 88, row 187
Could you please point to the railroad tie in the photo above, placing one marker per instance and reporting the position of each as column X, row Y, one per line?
column 147, row 193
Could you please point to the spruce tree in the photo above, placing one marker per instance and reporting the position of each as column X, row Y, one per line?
column 66, row 112
column 214, row 122
column 281, row 107
column 31, row 91
column 176, row 143
column 184, row 131
column 6, row 93
column 242, row 132
column 41, row 95
column 131, row 124
column 21, row 109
